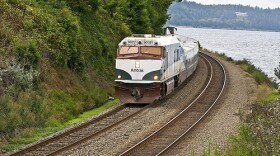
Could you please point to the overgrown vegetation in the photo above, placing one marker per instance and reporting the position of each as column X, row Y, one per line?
column 242, row 144
column 57, row 57
column 33, row 134
column 259, row 133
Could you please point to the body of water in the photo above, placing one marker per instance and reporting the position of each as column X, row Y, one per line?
column 260, row 48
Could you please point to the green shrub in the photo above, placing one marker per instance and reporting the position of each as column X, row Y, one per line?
column 259, row 134
column 28, row 55
column 264, row 126
column 2, row 52
column 30, row 111
column 22, row 78
column 242, row 144
column 83, row 6
column 10, row 117
column 4, row 111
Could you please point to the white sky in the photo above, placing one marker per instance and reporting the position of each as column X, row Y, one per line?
column 260, row 3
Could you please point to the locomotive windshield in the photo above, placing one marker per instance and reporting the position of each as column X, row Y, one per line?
column 151, row 50
column 128, row 50
column 125, row 50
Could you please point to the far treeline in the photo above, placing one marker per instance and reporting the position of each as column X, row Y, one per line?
column 224, row 16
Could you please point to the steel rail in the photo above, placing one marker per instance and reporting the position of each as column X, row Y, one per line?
column 35, row 147
column 84, row 139
column 177, row 141
column 145, row 140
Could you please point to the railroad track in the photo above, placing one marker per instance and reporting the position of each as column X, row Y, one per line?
column 75, row 136
column 82, row 133
column 78, row 134
column 172, row 132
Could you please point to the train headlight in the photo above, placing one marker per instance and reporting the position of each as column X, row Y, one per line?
column 155, row 77
column 137, row 64
column 119, row 76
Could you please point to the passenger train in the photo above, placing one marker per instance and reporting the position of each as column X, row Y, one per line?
column 149, row 67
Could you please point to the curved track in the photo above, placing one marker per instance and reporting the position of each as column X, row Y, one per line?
column 171, row 133
column 158, row 142
column 79, row 134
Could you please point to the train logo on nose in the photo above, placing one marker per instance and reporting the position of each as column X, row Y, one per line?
column 137, row 70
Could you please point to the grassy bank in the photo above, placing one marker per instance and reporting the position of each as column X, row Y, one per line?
column 34, row 134
column 259, row 132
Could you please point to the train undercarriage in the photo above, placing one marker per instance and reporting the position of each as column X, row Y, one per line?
column 138, row 93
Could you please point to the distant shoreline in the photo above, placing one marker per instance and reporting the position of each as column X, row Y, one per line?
column 233, row 17
column 224, row 28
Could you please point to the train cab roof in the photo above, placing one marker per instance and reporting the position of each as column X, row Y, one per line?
column 148, row 40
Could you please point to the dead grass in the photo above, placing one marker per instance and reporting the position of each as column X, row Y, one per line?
column 264, row 91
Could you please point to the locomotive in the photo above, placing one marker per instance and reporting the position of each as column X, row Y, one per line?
column 149, row 67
